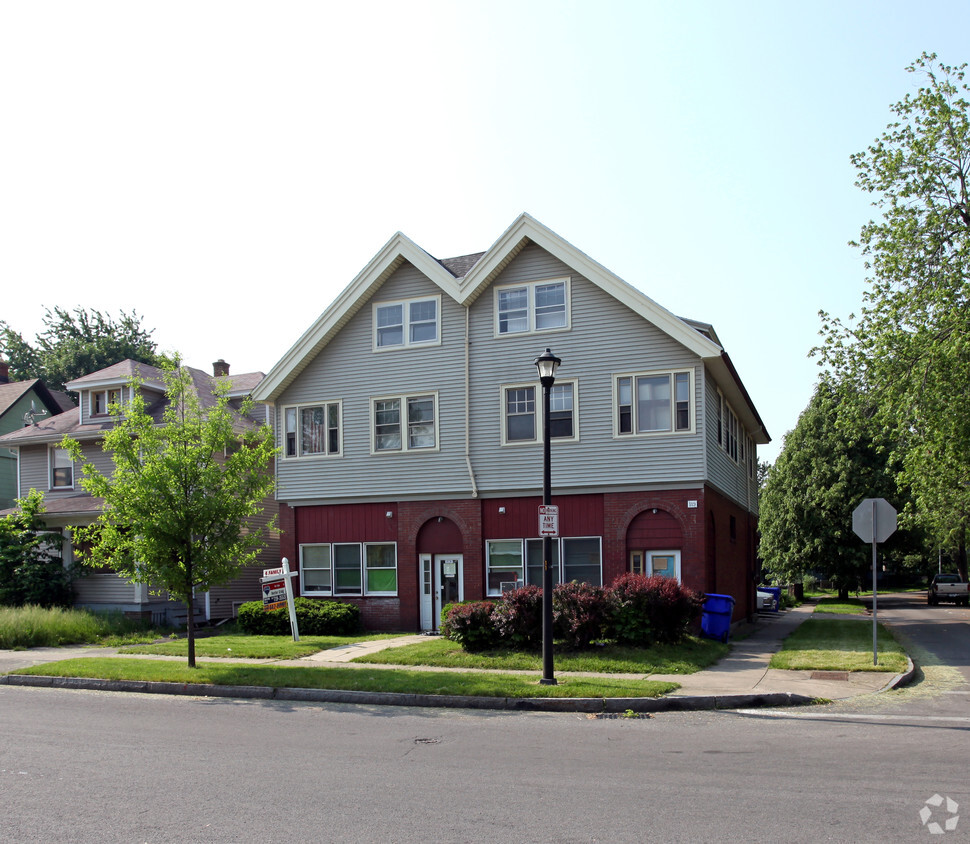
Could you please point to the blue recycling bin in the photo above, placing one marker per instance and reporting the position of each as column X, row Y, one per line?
column 775, row 594
column 716, row 617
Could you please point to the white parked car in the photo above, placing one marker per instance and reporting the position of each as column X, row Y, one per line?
column 766, row 601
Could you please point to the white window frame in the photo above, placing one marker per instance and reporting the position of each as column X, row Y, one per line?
column 648, row 562
column 404, row 424
column 105, row 395
column 530, row 306
column 537, row 395
column 367, row 567
column 673, row 430
column 52, row 465
column 733, row 433
column 362, row 556
column 406, row 323
column 558, row 545
column 298, row 433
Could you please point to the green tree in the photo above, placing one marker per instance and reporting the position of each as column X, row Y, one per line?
column 31, row 566
column 76, row 343
column 908, row 352
column 807, row 499
column 178, row 503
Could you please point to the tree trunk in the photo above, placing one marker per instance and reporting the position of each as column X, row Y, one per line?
column 190, row 606
column 962, row 556
column 190, row 629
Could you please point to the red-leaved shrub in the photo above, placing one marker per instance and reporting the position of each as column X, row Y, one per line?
column 580, row 614
column 470, row 625
column 645, row 610
column 518, row 618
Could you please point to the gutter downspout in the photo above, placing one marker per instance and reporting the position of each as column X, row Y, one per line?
column 468, row 415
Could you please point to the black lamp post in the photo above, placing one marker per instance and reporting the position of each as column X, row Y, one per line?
column 547, row 364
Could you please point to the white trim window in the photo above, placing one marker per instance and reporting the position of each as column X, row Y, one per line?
column 664, row 564
column 522, row 419
column 61, row 468
column 100, row 401
column 654, row 402
column 409, row 322
column 577, row 558
column 348, row 568
column 536, row 306
column 660, row 563
column 312, row 430
column 404, row 423
column 732, row 433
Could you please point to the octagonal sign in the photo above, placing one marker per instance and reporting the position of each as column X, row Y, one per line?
column 874, row 520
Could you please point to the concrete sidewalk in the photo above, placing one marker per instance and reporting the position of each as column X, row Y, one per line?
column 741, row 679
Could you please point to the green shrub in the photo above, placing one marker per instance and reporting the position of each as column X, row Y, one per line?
column 313, row 618
column 31, row 568
column 470, row 624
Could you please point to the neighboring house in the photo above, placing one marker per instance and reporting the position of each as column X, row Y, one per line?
column 409, row 419
column 42, row 464
column 20, row 403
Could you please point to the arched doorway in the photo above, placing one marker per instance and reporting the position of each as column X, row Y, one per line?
column 440, row 569
column 654, row 542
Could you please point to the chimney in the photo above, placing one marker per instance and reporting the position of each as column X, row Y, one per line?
column 220, row 367
column 4, row 372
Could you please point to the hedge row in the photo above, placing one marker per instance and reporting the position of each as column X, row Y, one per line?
column 313, row 618
column 635, row 610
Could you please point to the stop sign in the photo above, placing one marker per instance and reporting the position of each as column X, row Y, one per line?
column 874, row 520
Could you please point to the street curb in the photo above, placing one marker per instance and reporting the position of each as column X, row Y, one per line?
column 583, row 705
column 903, row 679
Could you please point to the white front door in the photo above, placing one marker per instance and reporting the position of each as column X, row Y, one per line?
column 442, row 583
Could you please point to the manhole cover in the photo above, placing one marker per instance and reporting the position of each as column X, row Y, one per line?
column 830, row 675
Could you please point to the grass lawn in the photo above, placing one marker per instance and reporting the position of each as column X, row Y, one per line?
column 686, row 658
column 838, row 645
column 353, row 679
column 850, row 606
column 241, row 646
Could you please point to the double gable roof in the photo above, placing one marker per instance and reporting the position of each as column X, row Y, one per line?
column 465, row 278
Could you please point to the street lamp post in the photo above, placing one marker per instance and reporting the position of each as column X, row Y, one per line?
column 547, row 364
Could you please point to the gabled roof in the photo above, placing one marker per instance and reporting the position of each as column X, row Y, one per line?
column 120, row 374
column 465, row 278
column 54, row 400
column 55, row 428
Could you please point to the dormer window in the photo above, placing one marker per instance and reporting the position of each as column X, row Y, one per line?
column 101, row 401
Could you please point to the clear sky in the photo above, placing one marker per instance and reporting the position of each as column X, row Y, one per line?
column 226, row 168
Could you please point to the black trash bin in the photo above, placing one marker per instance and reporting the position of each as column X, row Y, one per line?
column 716, row 618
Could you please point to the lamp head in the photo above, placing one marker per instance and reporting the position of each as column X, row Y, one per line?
column 547, row 364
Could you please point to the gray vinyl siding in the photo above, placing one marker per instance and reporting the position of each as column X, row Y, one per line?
column 246, row 586
column 349, row 370
column 729, row 477
column 103, row 588
column 604, row 338
column 35, row 468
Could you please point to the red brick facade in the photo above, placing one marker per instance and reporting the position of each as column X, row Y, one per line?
column 714, row 537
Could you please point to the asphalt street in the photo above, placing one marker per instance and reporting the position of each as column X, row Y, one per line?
column 118, row 767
